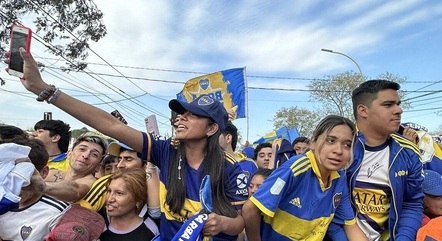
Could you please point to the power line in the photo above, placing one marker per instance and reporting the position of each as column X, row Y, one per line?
column 419, row 96
column 435, row 108
column 119, row 90
column 202, row 73
column 99, row 56
column 249, row 87
column 248, row 76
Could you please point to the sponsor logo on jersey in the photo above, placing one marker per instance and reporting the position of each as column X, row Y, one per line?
column 297, row 202
column 241, row 180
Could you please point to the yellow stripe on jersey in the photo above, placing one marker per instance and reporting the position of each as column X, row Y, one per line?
column 300, row 163
column 96, row 197
column 306, row 168
column 437, row 150
column 230, row 158
column 263, row 209
column 315, row 167
column 190, row 207
column 295, row 228
column 404, row 142
column 350, row 222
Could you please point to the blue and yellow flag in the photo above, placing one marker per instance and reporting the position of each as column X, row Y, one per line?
column 227, row 86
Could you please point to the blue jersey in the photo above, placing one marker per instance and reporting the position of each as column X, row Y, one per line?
column 248, row 167
column 295, row 203
column 162, row 153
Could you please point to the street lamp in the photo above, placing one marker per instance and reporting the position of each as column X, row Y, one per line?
column 335, row 52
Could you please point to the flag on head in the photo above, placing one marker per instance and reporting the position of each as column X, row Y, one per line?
column 227, row 86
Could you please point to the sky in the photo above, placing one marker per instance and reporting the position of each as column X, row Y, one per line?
column 157, row 45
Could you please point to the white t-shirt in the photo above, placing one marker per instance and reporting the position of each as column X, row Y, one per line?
column 372, row 193
column 32, row 223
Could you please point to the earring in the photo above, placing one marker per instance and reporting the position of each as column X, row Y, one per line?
column 179, row 168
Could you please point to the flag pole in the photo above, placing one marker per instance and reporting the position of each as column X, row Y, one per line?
column 247, row 101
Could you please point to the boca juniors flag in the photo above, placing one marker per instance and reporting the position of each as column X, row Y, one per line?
column 227, row 86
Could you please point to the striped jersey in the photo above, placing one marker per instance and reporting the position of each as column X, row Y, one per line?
column 95, row 198
column 295, row 203
column 33, row 222
column 161, row 153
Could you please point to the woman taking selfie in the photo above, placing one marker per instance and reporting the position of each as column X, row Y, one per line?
column 126, row 195
column 182, row 167
column 299, row 199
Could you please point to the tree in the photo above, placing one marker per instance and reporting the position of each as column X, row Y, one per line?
column 304, row 120
column 66, row 27
column 334, row 93
column 395, row 78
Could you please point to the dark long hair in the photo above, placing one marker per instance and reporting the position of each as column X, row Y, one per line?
column 213, row 165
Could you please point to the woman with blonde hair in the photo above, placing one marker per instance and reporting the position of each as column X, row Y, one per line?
column 126, row 196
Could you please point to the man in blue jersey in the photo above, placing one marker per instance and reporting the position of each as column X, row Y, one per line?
column 228, row 140
column 386, row 174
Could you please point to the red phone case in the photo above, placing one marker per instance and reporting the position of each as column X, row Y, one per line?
column 15, row 66
column 28, row 39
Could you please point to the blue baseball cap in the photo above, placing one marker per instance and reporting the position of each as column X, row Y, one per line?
column 432, row 184
column 204, row 106
column 249, row 152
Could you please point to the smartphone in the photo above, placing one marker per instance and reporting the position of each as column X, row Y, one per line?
column 401, row 129
column 20, row 37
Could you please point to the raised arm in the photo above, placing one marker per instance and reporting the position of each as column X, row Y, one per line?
column 153, row 190
column 86, row 113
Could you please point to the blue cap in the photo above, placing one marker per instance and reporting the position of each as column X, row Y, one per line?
column 249, row 152
column 205, row 106
column 432, row 183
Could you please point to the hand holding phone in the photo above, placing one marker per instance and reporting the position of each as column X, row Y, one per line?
column 409, row 133
column 20, row 38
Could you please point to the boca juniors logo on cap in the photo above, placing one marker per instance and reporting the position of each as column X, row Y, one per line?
column 337, row 199
column 205, row 100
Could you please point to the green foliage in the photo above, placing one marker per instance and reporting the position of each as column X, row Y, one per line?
column 65, row 27
column 304, row 120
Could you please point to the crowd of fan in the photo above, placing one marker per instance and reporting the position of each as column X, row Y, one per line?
column 347, row 181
